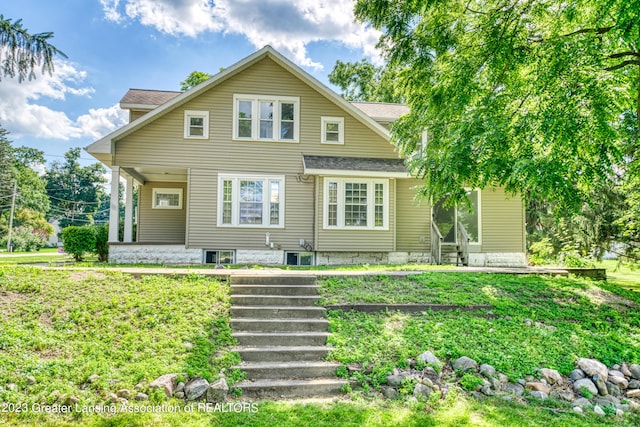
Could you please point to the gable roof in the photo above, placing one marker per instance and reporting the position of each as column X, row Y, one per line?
column 104, row 146
column 146, row 99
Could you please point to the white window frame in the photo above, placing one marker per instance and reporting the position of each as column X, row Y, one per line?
column 255, row 116
column 371, row 203
column 177, row 191
column 188, row 114
column 323, row 129
column 235, row 199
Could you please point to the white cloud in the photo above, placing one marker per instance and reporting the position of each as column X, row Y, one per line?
column 23, row 111
column 287, row 25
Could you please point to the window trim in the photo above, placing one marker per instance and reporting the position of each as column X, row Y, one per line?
column 276, row 120
column 371, row 203
column 155, row 191
column 218, row 251
column 324, row 120
column 188, row 114
column 455, row 223
column 235, row 200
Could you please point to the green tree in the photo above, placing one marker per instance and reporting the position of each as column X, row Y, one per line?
column 21, row 53
column 194, row 79
column 32, row 192
column 362, row 81
column 528, row 95
column 74, row 190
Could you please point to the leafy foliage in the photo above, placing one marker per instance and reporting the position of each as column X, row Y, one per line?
column 21, row 52
column 525, row 95
column 194, row 79
column 102, row 242
column 25, row 239
column 363, row 81
column 79, row 240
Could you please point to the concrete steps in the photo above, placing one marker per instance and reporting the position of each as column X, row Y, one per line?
column 282, row 337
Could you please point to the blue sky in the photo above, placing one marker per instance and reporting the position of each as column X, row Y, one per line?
column 114, row 45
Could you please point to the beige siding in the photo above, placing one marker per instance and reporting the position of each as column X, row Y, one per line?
column 354, row 240
column 502, row 222
column 161, row 143
column 414, row 220
column 160, row 225
column 136, row 114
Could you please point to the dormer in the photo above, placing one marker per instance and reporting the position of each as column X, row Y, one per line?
column 140, row 101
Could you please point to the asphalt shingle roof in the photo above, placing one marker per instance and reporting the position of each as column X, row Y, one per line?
column 354, row 164
column 148, row 97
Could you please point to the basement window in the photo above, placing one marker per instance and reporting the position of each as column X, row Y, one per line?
column 299, row 258
column 219, row 257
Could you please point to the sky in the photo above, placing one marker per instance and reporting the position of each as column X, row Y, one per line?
column 114, row 45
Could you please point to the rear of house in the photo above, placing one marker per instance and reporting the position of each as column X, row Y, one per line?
column 264, row 164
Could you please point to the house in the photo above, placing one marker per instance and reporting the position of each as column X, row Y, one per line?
column 264, row 164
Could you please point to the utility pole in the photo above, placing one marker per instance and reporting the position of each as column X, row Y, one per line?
column 13, row 206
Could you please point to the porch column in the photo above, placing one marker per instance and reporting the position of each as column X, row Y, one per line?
column 114, row 208
column 128, row 211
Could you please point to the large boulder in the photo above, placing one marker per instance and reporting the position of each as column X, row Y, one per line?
column 217, row 391
column 587, row 384
column 635, row 371
column 551, row 376
column 429, row 358
column 592, row 367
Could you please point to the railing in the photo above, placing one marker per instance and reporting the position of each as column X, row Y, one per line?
column 463, row 245
column 436, row 243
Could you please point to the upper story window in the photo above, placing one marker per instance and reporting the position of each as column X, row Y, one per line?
column 332, row 130
column 266, row 118
column 251, row 201
column 167, row 198
column 357, row 204
column 196, row 124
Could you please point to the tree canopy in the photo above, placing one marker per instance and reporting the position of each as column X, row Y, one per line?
column 194, row 79
column 363, row 81
column 21, row 53
column 529, row 95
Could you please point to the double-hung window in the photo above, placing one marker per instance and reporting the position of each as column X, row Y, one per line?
column 266, row 118
column 358, row 204
column 196, row 124
column 250, row 201
column 332, row 130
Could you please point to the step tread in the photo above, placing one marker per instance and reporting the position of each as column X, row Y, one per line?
column 297, row 364
column 283, row 348
column 284, row 383
column 277, row 307
column 256, row 320
column 275, row 296
column 280, row 334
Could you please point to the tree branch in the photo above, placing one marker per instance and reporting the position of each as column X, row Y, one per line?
column 623, row 54
column 624, row 64
column 602, row 30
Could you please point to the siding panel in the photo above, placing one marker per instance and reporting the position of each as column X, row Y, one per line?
column 502, row 222
column 161, row 225
column 414, row 220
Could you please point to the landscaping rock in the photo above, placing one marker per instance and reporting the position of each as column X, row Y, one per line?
column 496, row 384
column 12, row 386
column 577, row 374
column 625, row 370
column 196, row 388
column 217, row 391
column 581, row 401
column 427, row 382
column 601, row 385
column 180, row 387
column 394, row 380
column 598, row 410
column 71, row 401
column 142, row 396
column 429, row 358
column 634, row 370
column 93, row 378
column 539, row 395
column 166, row 382
column 633, row 394
column 577, row 409
column 421, row 390
column 112, row 397
column 487, row 390
column 465, row 364
column 606, row 400
column 587, row 384
column 592, row 367
column 487, row 370
column 179, row 395
column 544, row 388
column 613, row 389
column 567, row 395
column 515, row 389
column 124, row 393
column 503, row 378
column 389, row 393
column 551, row 376
column 634, row 384
column 354, row 367
column 431, row 374
column 31, row 380
column 620, row 381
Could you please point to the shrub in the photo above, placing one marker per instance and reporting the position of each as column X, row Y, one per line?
column 102, row 242
column 79, row 240
column 25, row 239
column 470, row 381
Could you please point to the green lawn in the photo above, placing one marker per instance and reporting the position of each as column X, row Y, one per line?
column 63, row 326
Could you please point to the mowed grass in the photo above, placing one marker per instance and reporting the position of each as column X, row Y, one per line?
column 536, row 321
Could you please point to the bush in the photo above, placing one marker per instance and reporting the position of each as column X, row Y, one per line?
column 79, row 240
column 102, row 242
column 25, row 239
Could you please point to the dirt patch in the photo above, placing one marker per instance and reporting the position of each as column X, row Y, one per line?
column 599, row 296
column 78, row 276
column 9, row 301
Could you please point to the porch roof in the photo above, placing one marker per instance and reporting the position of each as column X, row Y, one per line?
column 354, row 166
